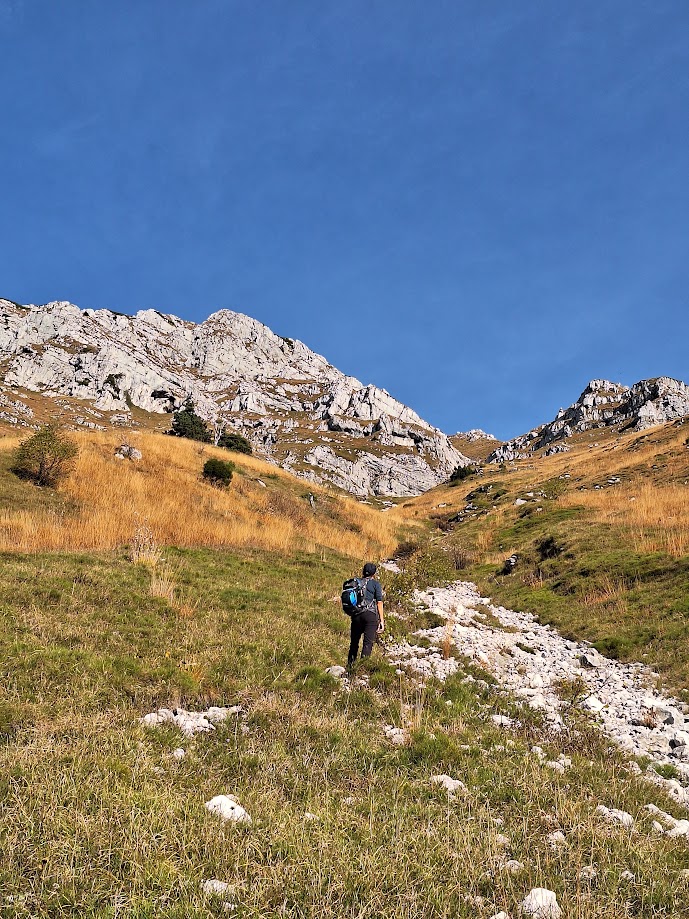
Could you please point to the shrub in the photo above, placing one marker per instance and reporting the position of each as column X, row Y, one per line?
column 218, row 472
column 548, row 548
column 236, row 442
column 461, row 473
column 46, row 458
column 186, row 423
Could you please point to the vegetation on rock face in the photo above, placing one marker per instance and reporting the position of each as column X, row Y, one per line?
column 218, row 472
column 46, row 458
column 186, row 423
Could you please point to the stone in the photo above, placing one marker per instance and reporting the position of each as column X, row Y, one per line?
column 591, row 659
column 556, row 839
column 556, row 767
column 613, row 815
column 500, row 915
column 336, row 671
column 397, row 736
column 502, row 721
column 449, row 784
column 513, row 866
column 588, row 873
column 228, row 809
column 627, row 876
column 594, row 704
column 214, row 887
column 178, row 753
column 541, row 904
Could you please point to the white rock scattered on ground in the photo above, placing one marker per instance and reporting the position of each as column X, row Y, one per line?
column 613, row 815
column 449, row 784
column 588, row 873
column 397, row 736
column 513, row 866
column 501, row 915
column 669, row 825
column 423, row 663
column 531, row 660
column 556, row 839
column 541, row 904
column 227, row 808
column 337, row 671
column 214, row 887
column 502, row 721
column 628, row 876
column 191, row 723
column 179, row 753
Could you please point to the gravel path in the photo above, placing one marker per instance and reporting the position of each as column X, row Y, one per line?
column 531, row 660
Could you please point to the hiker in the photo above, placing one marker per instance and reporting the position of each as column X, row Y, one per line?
column 369, row 623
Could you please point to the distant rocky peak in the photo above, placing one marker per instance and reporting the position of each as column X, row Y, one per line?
column 603, row 404
column 475, row 434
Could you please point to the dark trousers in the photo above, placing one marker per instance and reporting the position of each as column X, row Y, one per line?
column 367, row 625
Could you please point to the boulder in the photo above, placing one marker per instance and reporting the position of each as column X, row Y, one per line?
column 228, row 809
column 541, row 904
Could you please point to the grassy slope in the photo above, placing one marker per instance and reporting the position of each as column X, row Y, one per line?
column 107, row 500
column 98, row 820
column 620, row 554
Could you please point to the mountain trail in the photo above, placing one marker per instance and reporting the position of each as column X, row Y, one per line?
column 549, row 672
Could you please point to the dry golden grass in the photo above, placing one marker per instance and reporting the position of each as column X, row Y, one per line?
column 655, row 516
column 165, row 496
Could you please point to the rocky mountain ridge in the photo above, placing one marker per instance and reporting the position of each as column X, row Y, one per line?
column 296, row 408
column 602, row 405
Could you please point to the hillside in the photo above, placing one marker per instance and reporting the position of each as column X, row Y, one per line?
column 599, row 538
column 137, row 589
column 107, row 500
column 98, row 369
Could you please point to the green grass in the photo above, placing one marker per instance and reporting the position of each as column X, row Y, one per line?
column 632, row 606
column 98, row 820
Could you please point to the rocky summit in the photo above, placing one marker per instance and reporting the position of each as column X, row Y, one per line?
column 98, row 367
column 602, row 405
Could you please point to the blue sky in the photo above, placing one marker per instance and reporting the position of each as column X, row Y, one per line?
column 476, row 205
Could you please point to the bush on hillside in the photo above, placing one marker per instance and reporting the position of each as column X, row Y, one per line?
column 217, row 472
column 186, row 423
column 235, row 442
column 46, row 458
column 461, row 473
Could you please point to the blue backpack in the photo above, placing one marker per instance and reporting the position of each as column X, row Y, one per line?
column 354, row 601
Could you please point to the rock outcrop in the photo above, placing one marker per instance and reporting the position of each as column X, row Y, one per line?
column 296, row 409
column 603, row 405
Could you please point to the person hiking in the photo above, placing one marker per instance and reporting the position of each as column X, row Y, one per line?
column 370, row 622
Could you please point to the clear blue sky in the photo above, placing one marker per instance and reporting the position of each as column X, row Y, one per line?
column 476, row 204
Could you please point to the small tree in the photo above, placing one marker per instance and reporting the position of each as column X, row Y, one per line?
column 461, row 473
column 46, row 457
column 217, row 472
column 186, row 423
column 236, row 442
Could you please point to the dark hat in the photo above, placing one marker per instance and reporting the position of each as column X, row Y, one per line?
column 370, row 569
